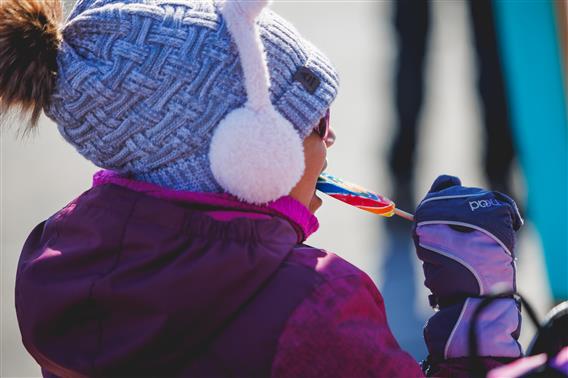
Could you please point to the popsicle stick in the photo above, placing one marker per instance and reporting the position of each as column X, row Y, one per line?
column 404, row 214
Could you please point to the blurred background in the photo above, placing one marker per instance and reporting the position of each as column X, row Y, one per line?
column 426, row 88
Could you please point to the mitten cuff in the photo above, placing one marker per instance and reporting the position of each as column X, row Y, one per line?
column 498, row 328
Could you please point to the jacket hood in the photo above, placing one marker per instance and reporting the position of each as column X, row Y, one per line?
column 136, row 282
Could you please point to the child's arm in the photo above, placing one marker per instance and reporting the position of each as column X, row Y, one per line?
column 341, row 330
column 466, row 240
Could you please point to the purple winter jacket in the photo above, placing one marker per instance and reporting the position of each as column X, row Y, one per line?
column 133, row 280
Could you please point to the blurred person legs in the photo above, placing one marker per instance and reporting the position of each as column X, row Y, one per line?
column 498, row 150
column 412, row 20
column 412, row 23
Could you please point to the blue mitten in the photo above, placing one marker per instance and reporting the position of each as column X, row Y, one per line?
column 466, row 240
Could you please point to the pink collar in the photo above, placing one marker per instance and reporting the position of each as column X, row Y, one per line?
column 286, row 207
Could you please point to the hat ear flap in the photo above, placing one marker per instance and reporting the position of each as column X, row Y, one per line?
column 255, row 153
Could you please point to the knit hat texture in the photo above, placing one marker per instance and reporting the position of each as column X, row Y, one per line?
column 143, row 84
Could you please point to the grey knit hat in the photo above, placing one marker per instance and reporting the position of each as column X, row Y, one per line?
column 143, row 86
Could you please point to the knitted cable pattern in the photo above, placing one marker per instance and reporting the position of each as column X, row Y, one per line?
column 143, row 83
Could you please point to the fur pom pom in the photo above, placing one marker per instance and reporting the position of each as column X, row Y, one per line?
column 256, row 156
column 29, row 41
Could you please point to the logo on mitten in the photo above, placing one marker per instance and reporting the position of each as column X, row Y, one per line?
column 474, row 205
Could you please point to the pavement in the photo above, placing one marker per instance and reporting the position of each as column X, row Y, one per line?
column 41, row 173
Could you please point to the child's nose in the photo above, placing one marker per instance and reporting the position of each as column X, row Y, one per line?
column 330, row 139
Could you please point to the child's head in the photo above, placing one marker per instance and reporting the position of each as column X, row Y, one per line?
column 183, row 94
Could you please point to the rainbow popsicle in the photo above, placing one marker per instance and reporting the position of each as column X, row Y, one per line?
column 359, row 197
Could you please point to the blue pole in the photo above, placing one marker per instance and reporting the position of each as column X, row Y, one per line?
column 535, row 84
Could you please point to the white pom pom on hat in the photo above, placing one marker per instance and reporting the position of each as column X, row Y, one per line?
column 255, row 153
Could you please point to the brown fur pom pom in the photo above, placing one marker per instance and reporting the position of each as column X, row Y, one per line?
column 29, row 41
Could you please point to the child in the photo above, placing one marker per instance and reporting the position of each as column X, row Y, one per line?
column 185, row 258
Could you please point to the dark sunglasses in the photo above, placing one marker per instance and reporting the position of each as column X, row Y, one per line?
column 322, row 128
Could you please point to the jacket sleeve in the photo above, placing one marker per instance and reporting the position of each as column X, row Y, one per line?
column 341, row 330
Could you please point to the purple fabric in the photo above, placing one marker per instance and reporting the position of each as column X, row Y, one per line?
column 560, row 361
column 438, row 330
column 439, row 270
column 495, row 327
column 480, row 254
column 121, row 283
column 226, row 216
column 288, row 207
column 248, row 345
column 447, row 332
column 341, row 329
